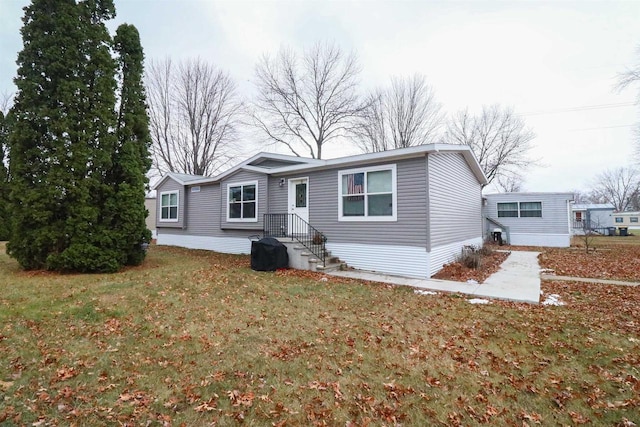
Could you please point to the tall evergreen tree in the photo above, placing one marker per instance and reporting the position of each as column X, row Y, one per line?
column 131, row 159
column 4, row 179
column 62, row 140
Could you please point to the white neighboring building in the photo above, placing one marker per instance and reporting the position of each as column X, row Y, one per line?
column 628, row 220
column 530, row 219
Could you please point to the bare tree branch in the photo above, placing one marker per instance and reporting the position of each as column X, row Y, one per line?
column 403, row 115
column 619, row 186
column 309, row 101
column 497, row 137
column 194, row 114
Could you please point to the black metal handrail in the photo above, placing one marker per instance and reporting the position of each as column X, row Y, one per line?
column 292, row 226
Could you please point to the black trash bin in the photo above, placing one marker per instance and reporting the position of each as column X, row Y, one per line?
column 623, row 231
column 268, row 254
column 612, row 231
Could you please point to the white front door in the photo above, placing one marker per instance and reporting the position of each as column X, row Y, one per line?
column 299, row 205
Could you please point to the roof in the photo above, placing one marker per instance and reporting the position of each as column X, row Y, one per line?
column 634, row 213
column 569, row 195
column 592, row 206
column 303, row 164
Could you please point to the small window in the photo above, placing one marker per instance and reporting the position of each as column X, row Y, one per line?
column 242, row 202
column 195, row 189
column 619, row 220
column 508, row 210
column 169, row 206
column 633, row 219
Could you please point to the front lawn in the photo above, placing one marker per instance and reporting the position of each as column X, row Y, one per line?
column 198, row 338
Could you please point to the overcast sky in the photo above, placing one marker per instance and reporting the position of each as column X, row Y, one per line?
column 554, row 62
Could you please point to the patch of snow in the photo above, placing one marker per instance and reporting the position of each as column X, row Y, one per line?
column 324, row 279
column 547, row 271
column 478, row 301
column 553, row 299
column 472, row 282
column 419, row 292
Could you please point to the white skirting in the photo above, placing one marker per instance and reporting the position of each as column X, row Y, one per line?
column 531, row 239
column 408, row 261
column 229, row 245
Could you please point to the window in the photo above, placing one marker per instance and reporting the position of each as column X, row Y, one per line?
column 633, row 219
column 243, row 202
column 531, row 209
column 520, row 209
column 508, row 210
column 619, row 220
column 169, row 206
column 367, row 194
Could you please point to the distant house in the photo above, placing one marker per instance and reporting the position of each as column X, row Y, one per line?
column 150, row 204
column 592, row 216
column 529, row 219
column 407, row 211
column 628, row 220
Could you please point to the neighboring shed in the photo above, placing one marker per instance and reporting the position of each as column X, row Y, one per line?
column 530, row 219
column 406, row 211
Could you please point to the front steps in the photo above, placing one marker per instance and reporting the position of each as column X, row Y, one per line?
column 301, row 258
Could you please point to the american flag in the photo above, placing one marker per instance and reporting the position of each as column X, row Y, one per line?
column 355, row 183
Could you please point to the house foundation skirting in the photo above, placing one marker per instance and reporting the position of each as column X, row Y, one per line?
column 532, row 239
column 408, row 261
column 228, row 245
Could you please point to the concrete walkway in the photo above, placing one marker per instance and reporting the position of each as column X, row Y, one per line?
column 517, row 280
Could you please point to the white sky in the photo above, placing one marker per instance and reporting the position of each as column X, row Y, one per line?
column 546, row 59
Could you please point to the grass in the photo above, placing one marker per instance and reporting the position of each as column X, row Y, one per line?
column 198, row 338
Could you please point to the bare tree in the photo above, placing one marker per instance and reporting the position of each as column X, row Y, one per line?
column 403, row 115
column 508, row 183
column 631, row 77
column 194, row 115
column 498, row 137
column 618, row 186
column 305, row 102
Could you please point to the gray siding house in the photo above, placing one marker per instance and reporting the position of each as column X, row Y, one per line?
column 592, row 216
column 407, row 211
column 530, row 219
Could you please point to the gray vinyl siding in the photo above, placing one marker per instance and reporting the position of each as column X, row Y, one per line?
column 601, row 218
column 204, row 211
column 171, row 185
column 455, row 200
column 263, row 200
column 410, row 229
column 555, row 214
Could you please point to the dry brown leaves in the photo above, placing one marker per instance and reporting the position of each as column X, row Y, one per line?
column 460, row 273
column 622, row 263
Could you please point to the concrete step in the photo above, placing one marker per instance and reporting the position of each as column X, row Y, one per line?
column 334, row 266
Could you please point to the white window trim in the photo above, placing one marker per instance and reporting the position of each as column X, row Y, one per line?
column 366, row 218
column 177, row 193
column 520, row 210
column 238, row 184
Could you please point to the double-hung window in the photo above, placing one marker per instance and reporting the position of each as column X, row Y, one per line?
column 619, row 220
column 242, row 203
column 633, row 219
column 169, row 206
column 367, row 194
column 520, row 209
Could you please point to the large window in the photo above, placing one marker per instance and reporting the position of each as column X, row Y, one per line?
column 367, row 194
column 169, row 206
column 633, row 219
column 243, row 202
column 619, row 220
column 520, row 209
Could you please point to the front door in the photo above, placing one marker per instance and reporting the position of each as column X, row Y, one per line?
column 299, row 205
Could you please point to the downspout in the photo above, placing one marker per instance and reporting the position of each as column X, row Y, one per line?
column 185, row 206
